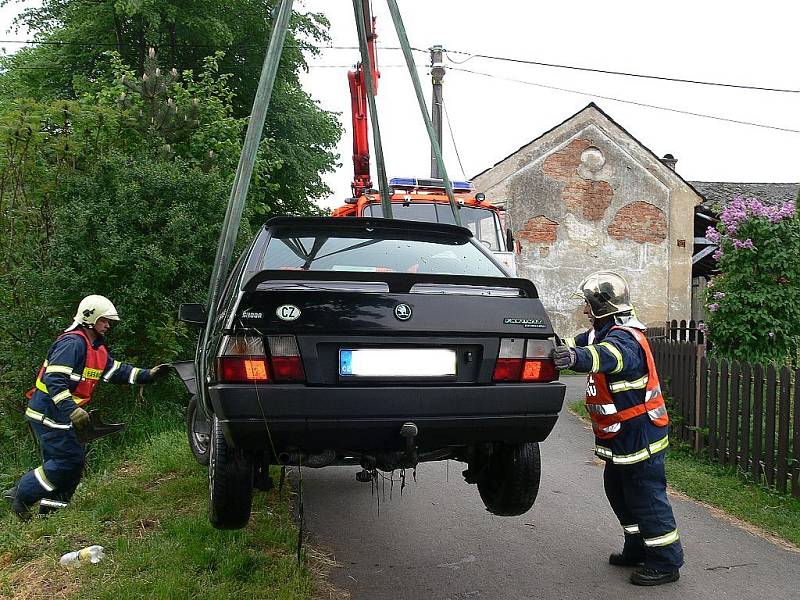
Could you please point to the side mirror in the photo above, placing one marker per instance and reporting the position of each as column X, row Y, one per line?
column 192, row 313
column 509, row 240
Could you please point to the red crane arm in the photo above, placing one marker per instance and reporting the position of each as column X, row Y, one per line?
column 362, row 181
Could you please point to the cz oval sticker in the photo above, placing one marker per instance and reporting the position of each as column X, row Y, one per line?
column 287, row 312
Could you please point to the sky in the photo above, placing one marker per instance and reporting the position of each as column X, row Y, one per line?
column 734, row 42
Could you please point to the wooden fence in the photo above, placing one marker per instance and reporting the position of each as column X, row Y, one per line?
column 740, row 415
column 679, row 331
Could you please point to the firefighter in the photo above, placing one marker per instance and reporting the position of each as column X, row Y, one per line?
column 76, row 362
column 630, row 423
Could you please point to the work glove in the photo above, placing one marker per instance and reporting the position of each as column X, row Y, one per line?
column 79, row 418
column 159, row 371
column 563, row 356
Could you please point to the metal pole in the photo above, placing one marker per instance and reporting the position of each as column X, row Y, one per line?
column 437, row 74
column 383, row 184
column 403, row 38
column 244, row 171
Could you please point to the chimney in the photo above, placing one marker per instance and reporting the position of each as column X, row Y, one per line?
column 670, row 161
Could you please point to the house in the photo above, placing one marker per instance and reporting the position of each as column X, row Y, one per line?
column 588, row 195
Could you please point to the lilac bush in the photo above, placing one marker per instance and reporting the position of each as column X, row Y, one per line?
column 754, row 304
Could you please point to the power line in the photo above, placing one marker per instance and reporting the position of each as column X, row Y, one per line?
column 453, row 139
column 655, row 106
column 622, row 73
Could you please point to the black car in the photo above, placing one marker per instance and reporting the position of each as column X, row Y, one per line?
column 373, row 342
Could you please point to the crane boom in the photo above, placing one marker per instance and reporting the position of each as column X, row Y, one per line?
column 362, row 180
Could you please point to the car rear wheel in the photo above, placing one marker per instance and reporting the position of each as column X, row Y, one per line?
column 230, row 483
column 510, row 482
column 198, row 430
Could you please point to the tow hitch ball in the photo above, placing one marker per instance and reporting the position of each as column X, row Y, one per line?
column 410, row 431
column 403, row 459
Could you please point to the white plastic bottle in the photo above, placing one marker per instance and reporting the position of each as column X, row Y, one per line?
column 90, row 554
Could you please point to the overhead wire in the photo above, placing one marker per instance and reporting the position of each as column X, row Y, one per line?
column 523, row 61
column 633, row 102
column 470, row 56
column 453, row 139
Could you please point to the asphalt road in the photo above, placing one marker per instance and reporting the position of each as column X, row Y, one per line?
column 437, row 541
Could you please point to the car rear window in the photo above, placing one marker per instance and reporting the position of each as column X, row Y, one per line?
column 350, row 251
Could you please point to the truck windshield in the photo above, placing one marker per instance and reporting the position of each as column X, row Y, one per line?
column 349, row 251
column 482, row 222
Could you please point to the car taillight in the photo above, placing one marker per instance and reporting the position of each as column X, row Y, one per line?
column 287, row 366
column 509, row 362
column 242, row 359
column 539, row 365
column 525, row 362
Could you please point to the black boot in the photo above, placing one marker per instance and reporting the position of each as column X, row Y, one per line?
column 620, row 560
column 654, row 577
column 17, row 506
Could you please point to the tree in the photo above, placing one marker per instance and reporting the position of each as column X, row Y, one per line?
column 121, row 191
column 754, row 304
column 75, row 33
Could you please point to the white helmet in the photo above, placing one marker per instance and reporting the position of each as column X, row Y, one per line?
column 607, row 294
column 92, row 308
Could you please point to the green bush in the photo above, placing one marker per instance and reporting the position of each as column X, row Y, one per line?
column 754, row 304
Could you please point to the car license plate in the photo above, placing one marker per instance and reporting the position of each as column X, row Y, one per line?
column 397, row 362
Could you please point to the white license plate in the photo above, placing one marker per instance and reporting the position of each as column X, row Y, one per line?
column 397, row 362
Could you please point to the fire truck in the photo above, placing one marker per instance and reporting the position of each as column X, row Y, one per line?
column 414, row 198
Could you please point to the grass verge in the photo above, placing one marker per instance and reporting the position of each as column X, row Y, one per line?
column 150, row 515
column 722, row 488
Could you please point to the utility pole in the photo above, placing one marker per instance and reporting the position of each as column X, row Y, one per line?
column 437, row 74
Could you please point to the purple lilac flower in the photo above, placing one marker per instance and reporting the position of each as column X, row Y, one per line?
column 712, row 235
column 701, row 326
column 713, row 307
column 717, row 254
column 739, row 210
column 719, row 295
column 747, row 244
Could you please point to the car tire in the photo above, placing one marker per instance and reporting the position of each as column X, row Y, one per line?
column 511, row 481
column 198, row 431
column 230, row 482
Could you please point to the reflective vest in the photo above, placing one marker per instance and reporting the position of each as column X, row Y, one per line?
column 96, row 361
column 606, row 418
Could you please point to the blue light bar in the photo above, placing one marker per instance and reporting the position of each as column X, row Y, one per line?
column 414, row 182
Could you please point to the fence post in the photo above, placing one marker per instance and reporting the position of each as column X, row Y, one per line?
column 783, row 427
column 733, row 422
column 712, row 410
column 702, row 395
column 744, row 436
column 724, row 392
column 796, row 437
column 769, row 429
column 757, row 418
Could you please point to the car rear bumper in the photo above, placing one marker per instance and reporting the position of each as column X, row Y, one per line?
column 363, row 419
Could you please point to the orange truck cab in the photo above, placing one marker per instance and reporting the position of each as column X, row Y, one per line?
column 425, row 200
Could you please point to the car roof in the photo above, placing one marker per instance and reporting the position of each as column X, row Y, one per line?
column 375, row 223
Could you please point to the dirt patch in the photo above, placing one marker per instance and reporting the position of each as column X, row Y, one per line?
column 42, row 578
column 145, row 527
column 129, row 470
column 150, row 485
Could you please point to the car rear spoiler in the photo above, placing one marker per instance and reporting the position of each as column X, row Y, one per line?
column 399, row 283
